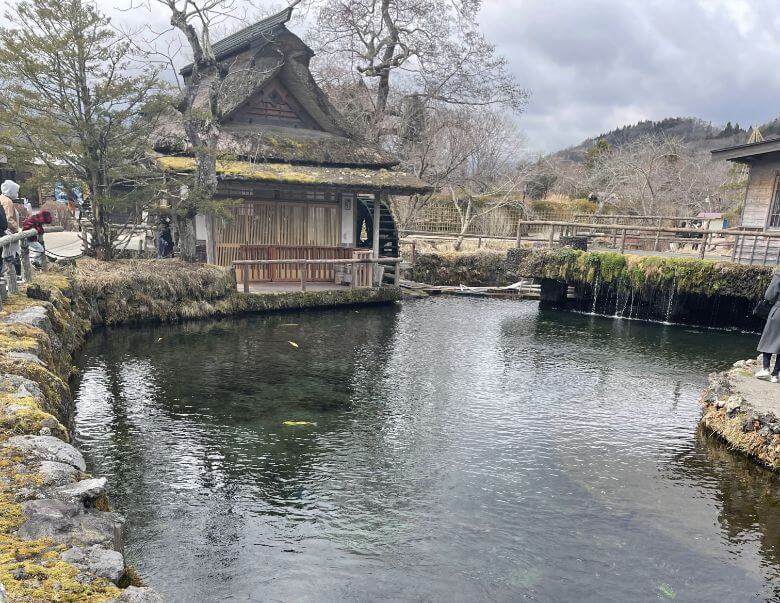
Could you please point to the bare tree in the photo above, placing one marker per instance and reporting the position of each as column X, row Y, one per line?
column 484, row 171
column 427, row 50
column 657, row 175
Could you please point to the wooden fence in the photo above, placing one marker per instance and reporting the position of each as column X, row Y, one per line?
column 737, row 245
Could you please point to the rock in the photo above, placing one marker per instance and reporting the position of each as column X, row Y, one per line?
column 51, row 423
column 20, row 387
column 733, row 404
column 135, row 594
column 749, row 424
column 719, row 386
column 36, row 316
column 3, row 595
column 765, row 432
column 739, row 364
column 720, row 403
column 49, row 448
column 84, row 491
column 26, row 357
column 56, row 474
column 69, row 523
column 97, row 560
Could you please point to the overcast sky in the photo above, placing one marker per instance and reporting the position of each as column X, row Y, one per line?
column 593, row 65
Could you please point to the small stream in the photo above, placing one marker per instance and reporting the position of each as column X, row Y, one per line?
column 458, row 450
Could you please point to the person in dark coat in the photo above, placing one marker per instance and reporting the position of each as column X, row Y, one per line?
column 164, row 239
column 770, row 337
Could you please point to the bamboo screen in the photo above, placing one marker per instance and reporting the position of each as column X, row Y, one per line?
column 276, row 230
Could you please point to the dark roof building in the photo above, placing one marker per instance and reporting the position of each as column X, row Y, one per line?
column 308, row 181
column 761, row 209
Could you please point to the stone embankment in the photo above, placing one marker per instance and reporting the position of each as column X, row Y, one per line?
column 744, row 412
column 59, row 538
column 661, row 288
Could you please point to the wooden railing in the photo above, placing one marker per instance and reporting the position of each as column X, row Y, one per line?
column 742, row 245
column 737, row 244
column 228, row 254
column 303, row 266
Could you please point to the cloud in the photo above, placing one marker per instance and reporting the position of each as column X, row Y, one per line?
column 592, row 65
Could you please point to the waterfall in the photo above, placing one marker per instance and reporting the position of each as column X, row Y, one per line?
column 671, row 301
column 595, row 295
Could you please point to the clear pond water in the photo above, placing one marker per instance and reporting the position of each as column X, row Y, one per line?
column 459, row 450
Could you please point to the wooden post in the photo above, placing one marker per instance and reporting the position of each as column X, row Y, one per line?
column 518, row 234
column 657, row 237
column 245, row 277
column 10, row 276
column 614, row 237
column 353, row 280
column 44, row 257
column 734, row 250
column 552, row 236
column 26, row 266
column 302, row 268
column 377, row 217
column 414, row 251
column 766, row 250
column 479, row 242
column 623, row 241
column 397, row 273
column 753, row 249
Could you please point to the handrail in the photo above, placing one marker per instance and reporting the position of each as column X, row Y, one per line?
column 8, row 269
column 304, row 263
column 640, row 228
column 25, row 234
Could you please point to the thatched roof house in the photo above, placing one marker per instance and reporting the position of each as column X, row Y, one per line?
column 310, row 184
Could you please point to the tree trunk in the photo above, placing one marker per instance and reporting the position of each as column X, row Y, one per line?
column 185, row 236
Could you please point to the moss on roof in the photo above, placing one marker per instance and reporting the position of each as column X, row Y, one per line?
column 285, row 173
column 280, row 145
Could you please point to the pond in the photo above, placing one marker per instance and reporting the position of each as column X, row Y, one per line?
column 451, row 449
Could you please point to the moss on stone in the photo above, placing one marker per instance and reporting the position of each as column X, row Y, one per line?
column 99, row 293
column 684, row 275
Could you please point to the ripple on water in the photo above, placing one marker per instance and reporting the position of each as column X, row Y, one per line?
column 461, row 449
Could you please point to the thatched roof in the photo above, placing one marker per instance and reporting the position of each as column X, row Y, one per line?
column 253, row 57
column 282, row 145
column 356, row 179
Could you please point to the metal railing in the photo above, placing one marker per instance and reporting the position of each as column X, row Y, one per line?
column 304, row 264
column 8, row 276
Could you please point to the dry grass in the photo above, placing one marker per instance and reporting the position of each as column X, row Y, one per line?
column 424, row 245
column 129, row 291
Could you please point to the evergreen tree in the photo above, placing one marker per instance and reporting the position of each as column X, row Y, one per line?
column 73, row 96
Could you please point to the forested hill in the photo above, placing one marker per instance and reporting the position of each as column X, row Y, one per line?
column 696, row 132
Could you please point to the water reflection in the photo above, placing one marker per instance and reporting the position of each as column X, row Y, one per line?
column 462, row 449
